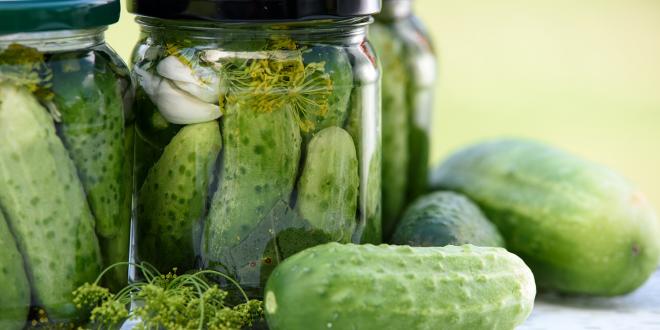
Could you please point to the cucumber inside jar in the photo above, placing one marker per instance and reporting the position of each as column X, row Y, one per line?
column 287, row 175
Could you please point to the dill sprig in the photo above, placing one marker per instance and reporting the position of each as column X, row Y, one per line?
column 26, row 67
column 170, row 301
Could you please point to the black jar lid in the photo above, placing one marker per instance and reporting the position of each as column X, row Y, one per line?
column 253, row 10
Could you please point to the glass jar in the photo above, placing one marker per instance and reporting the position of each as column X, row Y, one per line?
column 255, row 140
column 65, row 157
column 409, row 74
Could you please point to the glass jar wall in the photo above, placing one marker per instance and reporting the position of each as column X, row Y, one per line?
column 255, row 141
column 65, row 161
column 409, row 73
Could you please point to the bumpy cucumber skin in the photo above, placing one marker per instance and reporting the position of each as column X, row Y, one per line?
column 445, row 218
column 581, row 227
column 260, row 161
column 172, row 199
column 15, row 297
column 115, row 249
column 328, row 186
column 45, row 204
column 338, row 68
column 399, row 287
column 89, row 98
column 395, row 123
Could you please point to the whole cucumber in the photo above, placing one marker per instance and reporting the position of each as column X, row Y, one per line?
column 15, row 298
column 45, row 204
column 445, row 218
column 260, row 161
column 89, row 99
column 581, row 227
column 395, row 124
column 172, row 199
column 399, row 287
column 328, row 186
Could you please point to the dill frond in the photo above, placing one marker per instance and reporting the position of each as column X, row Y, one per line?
column 26, row 67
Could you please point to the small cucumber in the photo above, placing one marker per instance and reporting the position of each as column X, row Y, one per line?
column 172, row 199
column 88, row 96
column 328, row 186
column 336, row 286
column 395, row 123
column 15, row 297
column 445, row 218
column 581, row 227
column 260, row 161
column 45, row 204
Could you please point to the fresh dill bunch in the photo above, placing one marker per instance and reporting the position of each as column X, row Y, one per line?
column 167, row 301
column 26, row 67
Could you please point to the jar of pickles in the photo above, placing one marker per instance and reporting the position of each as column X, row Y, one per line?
column 409, row 73
column 257, row 132
column 65, row 157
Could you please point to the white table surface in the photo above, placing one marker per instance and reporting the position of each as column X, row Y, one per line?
column 639, row 310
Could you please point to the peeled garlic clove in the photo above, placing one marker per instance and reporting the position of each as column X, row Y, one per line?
column 149, row 82
column 179, row 107
column 200, row 82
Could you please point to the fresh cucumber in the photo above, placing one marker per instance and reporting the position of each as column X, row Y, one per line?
column 581, row 227
column 172, row 199
column 445, row 218
column 328, row 186
column 45, row 204
column 15, row 297
column 88, row 96
column 335, row 286
column 260, row 161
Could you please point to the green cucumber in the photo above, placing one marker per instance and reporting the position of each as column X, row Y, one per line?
column 581, row 227
column 45, row 204
column 172, row 199
column 328, row 186
column 338, row 68
column 445, row 218
column 260, row 161
column 89, row 99
column 15, row 298
column 335, row 286
column 395, row 124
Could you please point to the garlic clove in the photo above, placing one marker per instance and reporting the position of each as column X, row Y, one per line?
column 201, row 82
column 178, row 107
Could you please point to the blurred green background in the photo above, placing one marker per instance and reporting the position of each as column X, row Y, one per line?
column 582, row 75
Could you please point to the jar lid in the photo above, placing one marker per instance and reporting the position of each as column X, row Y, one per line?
column 253, row 10
column 50, row 15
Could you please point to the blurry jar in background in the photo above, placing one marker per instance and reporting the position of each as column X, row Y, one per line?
column 258, row 133
column 65, row 156
column 409, row 74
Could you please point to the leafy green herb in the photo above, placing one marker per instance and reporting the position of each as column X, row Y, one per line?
column 167, row 301
column 26, row 67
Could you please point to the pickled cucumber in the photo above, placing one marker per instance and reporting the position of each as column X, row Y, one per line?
column 15, row 297
column 173, row 197
column 88, row 97
column 328, row 187
column 338, row 68
column 44, row 204
column 260, row 162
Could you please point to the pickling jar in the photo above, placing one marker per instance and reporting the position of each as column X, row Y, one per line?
column 258, row 133
column 65, row 157
column 409, row 74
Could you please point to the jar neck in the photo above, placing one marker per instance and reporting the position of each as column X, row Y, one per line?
column 394, row 10
column 56, row 41
column 332, row 31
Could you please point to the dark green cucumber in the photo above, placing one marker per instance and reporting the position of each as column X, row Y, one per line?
column 336, row 286
column 15, row 297
column 445, row 218
column 328, row 186
column 395, row 124
column 260, row 161
column 45, row 204
column 172, row 199
column 338, row 68
column 581, row 227
column 89, row 99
